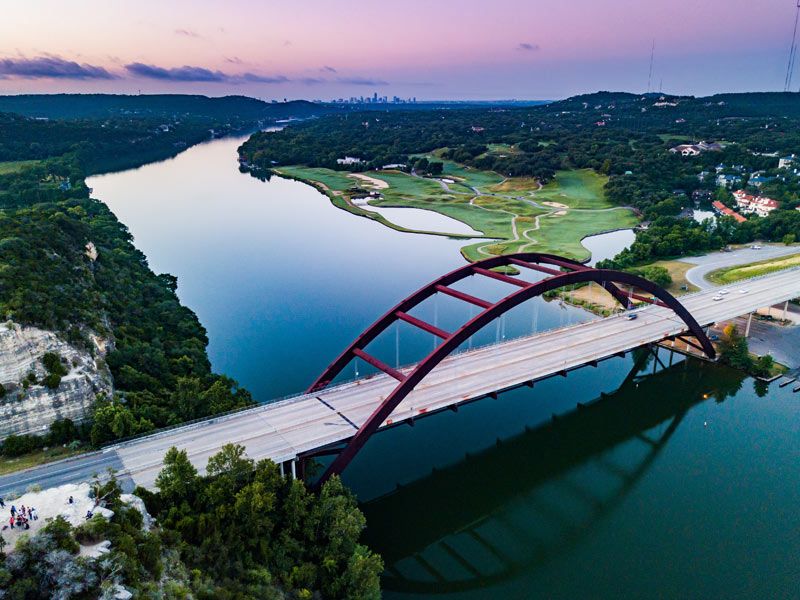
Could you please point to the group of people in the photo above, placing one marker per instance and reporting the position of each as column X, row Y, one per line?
column 20, row 517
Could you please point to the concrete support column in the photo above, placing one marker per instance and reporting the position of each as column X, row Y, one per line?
column 280, row 464
column 747, row 329
column 785, row 309
column 294, row 468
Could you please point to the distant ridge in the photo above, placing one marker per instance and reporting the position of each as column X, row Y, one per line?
column 98, row 106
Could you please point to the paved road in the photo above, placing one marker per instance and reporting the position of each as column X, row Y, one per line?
column 283, row 430
column 717, row 260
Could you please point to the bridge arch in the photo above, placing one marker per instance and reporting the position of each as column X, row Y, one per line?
column 573, row 273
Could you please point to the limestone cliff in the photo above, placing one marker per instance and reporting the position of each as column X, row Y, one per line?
column 29, row 407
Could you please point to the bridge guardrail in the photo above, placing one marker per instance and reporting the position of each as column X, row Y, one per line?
column 292, row 398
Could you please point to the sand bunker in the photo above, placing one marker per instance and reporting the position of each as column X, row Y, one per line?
column 373, row 182
column 555, row 204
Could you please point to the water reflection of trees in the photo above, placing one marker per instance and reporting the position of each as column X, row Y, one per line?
column 497, row 514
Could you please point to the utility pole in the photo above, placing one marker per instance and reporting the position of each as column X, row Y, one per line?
column 652, row 56
column 787, row 83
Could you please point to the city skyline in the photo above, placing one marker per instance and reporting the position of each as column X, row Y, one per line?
column 447, row 51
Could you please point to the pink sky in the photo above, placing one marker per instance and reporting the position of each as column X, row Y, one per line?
column 432, row 49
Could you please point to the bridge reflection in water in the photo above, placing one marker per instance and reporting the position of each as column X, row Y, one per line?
column 531, row 498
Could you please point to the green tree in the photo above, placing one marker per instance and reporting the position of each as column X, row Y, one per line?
column 178, row 479
column 113, row 420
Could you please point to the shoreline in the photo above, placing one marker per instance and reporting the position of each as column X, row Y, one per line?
column 344, row 202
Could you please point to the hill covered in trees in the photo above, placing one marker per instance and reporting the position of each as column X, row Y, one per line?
column 105, row 106
column 243, row 532
column 68, row 265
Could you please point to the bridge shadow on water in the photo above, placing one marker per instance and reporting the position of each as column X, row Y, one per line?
column 529, row 499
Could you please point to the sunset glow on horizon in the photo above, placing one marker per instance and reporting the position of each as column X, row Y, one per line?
column 533, row 49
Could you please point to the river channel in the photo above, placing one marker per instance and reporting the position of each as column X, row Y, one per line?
column 640, row 478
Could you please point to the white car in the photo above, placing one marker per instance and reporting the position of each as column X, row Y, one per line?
column 755, row 247
column 743, row 291
column 717, row 298
column 724, row 292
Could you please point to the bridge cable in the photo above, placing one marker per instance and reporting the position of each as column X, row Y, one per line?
column 397, row 344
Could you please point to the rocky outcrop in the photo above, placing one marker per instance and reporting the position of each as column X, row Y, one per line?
column 32, row 407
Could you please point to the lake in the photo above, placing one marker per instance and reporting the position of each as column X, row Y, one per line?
column 642, row 477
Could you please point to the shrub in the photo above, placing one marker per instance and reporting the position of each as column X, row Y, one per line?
column 52, row 380
column 52, row 362
column 62, row 431
column 17, row 445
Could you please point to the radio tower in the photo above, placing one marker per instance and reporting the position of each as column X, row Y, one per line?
column 787, row 84
column 652, row 56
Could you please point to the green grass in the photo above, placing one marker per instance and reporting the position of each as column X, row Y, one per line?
column 482, row 180
column 671, row 137
column 34, row 459
column 12, row 166
column 563, row 235
column 501, row 150
column 677, row 270
column 495, row 212
column 580, row 188
column 333, row 180
column 764, row 267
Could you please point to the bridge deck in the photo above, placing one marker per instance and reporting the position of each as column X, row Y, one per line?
column 284, row 430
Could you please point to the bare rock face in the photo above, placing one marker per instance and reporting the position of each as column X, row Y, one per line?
column 32, row 407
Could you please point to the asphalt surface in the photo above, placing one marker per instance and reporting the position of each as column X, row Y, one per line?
column 718, row 260
column 72, row 470
column 283, row 430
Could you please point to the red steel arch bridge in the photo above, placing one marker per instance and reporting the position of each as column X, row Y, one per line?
column 559, row 273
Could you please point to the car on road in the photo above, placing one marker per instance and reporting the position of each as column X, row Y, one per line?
column 631, row 316
column 743, row 291
column 724, row 292
column 755, row 247
column 717, row 298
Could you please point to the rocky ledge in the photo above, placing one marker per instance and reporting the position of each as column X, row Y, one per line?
column 30, row 406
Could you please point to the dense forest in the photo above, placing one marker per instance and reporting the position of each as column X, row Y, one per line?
column 227, row 109
column 68, row 265
column 242, row 532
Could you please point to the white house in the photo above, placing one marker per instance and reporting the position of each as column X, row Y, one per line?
column 686, row 150
column 349, row 160
column 759, row 205
column 786, row 161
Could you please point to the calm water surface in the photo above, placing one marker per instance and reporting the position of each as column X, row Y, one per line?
column 675, row 479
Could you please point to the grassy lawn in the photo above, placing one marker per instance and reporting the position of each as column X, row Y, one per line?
column 40, row 457
column 499, row 213
column 671, row 137
column 563, row 234
column 580, row 188
column 677, row 271
column 500, row 150
column 12, row 166
column 764, row 267
column 333, row 180
column 516, row 185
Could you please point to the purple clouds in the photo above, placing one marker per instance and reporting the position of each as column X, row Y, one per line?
column 51, row 67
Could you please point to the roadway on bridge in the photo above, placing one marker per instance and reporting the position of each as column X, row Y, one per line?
column 283, row 430
column 708, row 263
